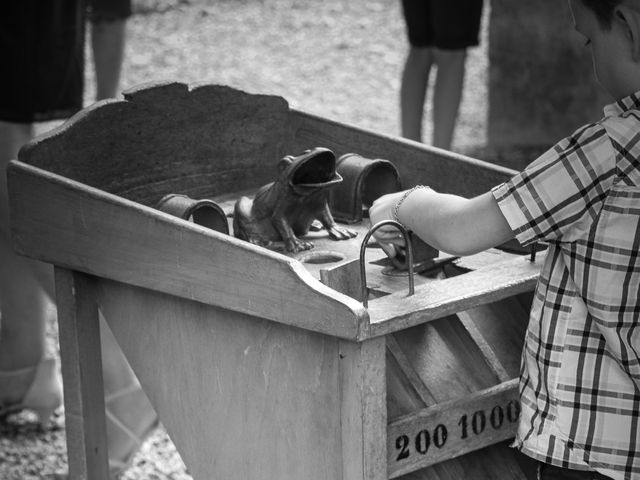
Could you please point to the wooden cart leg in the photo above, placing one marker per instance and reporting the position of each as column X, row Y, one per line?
column 363, row 386
column 81, row 358
column 364, row 410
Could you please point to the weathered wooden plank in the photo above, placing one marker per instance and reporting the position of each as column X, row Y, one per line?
column 402, row 397
column 344, row 278
column 500, row 328
column 409, row 372
column 451, row 429
column 104, row 235
column 434, row 300
column 169, row 138
column 243, row 391
column 242, row 398
column 417, row 163
column 487, row 350
column 363, row 410
column 80, row 352
column 446, row 359
column 449, row 363
column 429, row 353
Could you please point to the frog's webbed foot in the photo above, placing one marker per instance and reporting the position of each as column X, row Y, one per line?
column 337, row 232
column 295, row 244
column 259, row 241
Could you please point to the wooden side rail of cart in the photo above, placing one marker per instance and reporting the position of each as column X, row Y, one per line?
column 259, row 366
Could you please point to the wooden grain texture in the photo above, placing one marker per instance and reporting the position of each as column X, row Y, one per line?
column 363, row 390
column 417, row 163
column 500, row 328
column 344, row 278
column 395, row 349
column 451, row 429
column 363, row 409
column 80, row 353
column 104, row 235
column 168, row 138
column 446, row 358
column 256, row 368
column 452, row 368
column 435, row 367
column 495, row 462
column 206, row 140
column 487, row 349
column 241, row 397
column 437, row 299
column 402, row 397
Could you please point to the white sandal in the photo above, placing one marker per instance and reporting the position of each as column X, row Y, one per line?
column 43, row 396
column 148, row 421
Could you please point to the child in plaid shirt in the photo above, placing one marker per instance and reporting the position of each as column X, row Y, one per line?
column 580, row 374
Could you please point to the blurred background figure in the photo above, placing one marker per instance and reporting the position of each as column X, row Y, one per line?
column 42, row 45
column 108, row 23
column 439, row 34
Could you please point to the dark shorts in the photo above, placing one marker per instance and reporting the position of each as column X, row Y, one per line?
column 108, row 10
column 449, row 25
column 42, row 50
column 550, row 472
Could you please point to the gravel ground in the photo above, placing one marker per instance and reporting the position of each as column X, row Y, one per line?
column 341, row 59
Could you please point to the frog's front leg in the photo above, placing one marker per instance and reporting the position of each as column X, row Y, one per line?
column 292, row 243
column 341, row 233
column 336, row 232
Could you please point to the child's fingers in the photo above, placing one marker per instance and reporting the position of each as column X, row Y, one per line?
column 389, row 249
column 390, row 240
column 388, row 234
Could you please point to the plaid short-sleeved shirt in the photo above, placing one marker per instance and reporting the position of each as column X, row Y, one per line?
column 580, row 375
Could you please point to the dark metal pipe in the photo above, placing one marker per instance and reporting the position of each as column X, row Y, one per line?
column 363, row 247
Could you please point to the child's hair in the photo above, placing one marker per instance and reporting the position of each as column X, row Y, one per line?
column 603, row 10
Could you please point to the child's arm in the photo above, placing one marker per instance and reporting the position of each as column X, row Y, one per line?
column 453, row 224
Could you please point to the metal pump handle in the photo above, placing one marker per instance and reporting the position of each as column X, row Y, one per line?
column 407, row 241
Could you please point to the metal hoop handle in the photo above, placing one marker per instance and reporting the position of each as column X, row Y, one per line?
column 407, row 241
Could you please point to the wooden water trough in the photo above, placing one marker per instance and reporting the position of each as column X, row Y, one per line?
column 263, row 365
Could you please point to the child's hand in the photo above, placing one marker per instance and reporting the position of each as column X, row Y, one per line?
column 389, row 237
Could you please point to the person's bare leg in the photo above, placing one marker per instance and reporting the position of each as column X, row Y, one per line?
column 108, row 43
column 413, row 91
column 126, row 403
column 447, row 94
column 128, row 407
column 26, row 287
column 23, row 302
column 26, row 290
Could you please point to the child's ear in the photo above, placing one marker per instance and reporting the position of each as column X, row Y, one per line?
column 630, row 21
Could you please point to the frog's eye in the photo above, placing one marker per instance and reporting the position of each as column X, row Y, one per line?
column 284, row 163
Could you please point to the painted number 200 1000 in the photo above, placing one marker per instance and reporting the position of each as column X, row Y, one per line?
column 468, row 426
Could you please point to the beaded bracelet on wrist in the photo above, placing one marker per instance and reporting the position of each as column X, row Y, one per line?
column 402, row 199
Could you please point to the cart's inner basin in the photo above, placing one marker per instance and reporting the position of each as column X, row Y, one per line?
column 382, row 276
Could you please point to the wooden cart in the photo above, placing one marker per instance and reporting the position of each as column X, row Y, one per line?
column 263, row 365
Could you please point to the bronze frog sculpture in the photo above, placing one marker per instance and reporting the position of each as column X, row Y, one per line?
column 286, row 209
